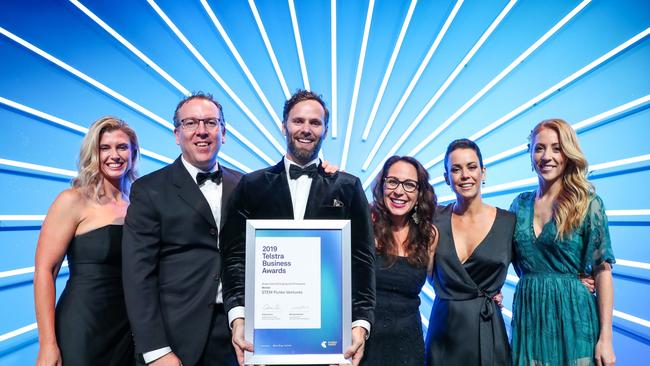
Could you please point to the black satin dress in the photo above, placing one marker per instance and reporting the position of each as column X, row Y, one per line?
column 396, row 337
column 466, row 327
column 91, row 323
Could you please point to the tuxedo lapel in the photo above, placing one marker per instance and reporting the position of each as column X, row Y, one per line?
column 228, row 183
column 320, row 186
column 280, row 200
column 189, row 191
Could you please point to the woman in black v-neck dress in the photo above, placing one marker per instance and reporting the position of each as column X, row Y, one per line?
column 466, row 326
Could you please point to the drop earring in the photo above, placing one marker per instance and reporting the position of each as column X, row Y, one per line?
column 414, row 216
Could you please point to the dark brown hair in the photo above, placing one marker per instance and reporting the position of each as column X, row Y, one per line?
column 302, row 95
column 421, row 234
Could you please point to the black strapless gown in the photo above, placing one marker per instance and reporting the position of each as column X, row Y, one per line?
column 396, row 337
column 92, row 327
column 466, row 327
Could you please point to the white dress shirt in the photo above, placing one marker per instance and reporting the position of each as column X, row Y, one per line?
column 299, row 189
column 212, row 193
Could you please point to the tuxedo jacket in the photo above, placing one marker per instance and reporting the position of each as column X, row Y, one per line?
column 265, row 194
column 171, row 262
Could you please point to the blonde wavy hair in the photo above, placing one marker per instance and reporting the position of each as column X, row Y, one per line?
column 570, row 207
column 90, row 178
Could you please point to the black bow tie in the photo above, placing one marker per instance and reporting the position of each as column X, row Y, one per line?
column 215, row 176
column 295, row 171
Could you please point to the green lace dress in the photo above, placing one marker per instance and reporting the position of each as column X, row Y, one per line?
column 555, row 318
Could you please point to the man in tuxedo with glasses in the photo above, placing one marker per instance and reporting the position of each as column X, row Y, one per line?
column 299, row 188
column 170, row 248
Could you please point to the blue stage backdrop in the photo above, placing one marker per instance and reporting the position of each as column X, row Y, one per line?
column 401, row 77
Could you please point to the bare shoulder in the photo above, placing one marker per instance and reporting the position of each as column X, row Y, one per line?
column 70, row 203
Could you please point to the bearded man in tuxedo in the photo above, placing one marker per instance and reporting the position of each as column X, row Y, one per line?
column 299, row 188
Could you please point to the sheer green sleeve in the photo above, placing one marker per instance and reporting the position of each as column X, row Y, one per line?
column 596, row 236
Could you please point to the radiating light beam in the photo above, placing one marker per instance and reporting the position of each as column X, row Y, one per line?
column 334, row 102
column 578, row 127
column 22, row 217
column 409, row 90
column 389, row 69
column 632, row 264
column 296, row 36
column 87, row 79
column 242, row 63
column 269, row 49
column 443, row 88
column 131, row 47
column 357, row 83
column 38, row 168
column 552, row 90
column 505, row 72
column 534, row 180
column 166, row 76
column 72, row 126
column 452, row 77
column 22, row 271
column 220, row 81
column 17, row 332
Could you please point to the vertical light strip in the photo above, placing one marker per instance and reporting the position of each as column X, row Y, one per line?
column 499, row 77
column 443, row 88
column 552, row 90
column 166, row 76
column 218, row 79
column 296, row 35
column 334, row 102
column 357, row 84
column 578, row 127
column 87, row 78
column 131, row 47
column 242, row 64
column 411, row 86
column 72, row 126
column 269, row 49
column 389, row 69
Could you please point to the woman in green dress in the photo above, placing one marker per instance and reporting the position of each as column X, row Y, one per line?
column 561, row 231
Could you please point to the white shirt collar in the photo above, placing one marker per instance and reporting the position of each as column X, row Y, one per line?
column 194, row 170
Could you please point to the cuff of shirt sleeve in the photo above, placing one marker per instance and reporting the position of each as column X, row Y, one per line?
column 235, row 313
column 151, row 356
column 363, row 324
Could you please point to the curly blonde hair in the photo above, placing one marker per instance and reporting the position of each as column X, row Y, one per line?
column 89, row 178
column 570, row 207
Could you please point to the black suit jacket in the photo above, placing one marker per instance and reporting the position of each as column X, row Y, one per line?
column 170, row 260
column 265, row 194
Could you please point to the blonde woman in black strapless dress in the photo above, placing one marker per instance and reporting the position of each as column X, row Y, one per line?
column 89, row 325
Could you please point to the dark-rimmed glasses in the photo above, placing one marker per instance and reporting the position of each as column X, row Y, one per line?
column 191, row 124
column 408, row 185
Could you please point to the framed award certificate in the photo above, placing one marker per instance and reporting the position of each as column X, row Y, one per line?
column 298, row 305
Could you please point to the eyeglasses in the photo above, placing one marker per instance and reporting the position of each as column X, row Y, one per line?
column 408, row 185
column 191, row 124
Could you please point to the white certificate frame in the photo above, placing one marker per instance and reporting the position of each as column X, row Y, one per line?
column 302, row 226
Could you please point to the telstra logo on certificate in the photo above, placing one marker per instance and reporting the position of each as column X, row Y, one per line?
column 298, row 291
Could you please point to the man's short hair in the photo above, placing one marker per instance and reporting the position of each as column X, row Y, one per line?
column 300, row 96
column 198, row 95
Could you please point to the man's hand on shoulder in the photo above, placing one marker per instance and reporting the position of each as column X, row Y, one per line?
column 169, row 359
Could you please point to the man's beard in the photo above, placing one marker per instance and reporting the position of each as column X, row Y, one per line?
column 303, row 156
